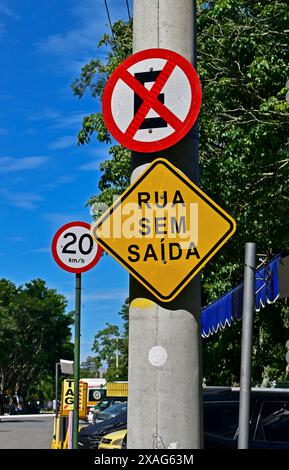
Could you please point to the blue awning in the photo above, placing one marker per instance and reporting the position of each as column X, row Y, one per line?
column 228, row 308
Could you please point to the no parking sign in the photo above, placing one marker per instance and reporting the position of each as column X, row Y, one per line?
column 151, row 100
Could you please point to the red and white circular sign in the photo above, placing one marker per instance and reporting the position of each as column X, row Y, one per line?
column 74, row 249
column 152, row 100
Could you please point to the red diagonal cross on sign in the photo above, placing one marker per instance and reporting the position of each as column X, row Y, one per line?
column 181, row 90
column 150, row 100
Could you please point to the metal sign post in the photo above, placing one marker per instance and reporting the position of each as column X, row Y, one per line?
column 56, row 389
column 75, row 251
column 246, row 348
column 76, row 359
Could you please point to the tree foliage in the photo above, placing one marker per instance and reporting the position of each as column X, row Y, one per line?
column 106, row 344
column 34, row 334
column 243, row 63
column 90, row 368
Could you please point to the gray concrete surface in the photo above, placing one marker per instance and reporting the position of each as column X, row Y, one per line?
column 164, row 340
column 26, row 432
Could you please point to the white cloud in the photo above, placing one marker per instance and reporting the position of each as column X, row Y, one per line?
column 46, row 114
column 74, row 42
column 43, row 249
column 57, row 120
column 75, row 46
column 55, row 183
column 70, row 121
column 70, row 42
column 16, row 239
column 99, row 154
column 22, row 200
column 5, row 10
column 12, row 164
column 90, row 166
column 58, row 218
column 5, row 13
column 112, row 294
column 64, row 142
column 6, row 97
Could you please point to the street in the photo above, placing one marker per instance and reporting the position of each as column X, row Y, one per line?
column 26, row 432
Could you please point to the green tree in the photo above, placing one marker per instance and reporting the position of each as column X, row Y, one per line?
column 44, row 389
column 243, row 63
column 8, row 327
column 37, row 333
column 270, row 333
column 109, row 341
column 90, row 368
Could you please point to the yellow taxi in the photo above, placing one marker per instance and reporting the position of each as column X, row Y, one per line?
column 113, row 440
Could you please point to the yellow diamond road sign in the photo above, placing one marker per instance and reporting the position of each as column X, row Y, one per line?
column 163, row 229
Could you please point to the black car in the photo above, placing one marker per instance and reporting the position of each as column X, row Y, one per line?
column 269, row 418
column 109, row 401
column 110, row 412
column 90, row 436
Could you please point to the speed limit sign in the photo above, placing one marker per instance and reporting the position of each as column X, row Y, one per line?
column 74, row 249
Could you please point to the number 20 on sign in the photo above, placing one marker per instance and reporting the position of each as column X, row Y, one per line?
column 74, row 249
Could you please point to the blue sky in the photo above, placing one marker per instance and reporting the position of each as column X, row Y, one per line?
column 46, row 178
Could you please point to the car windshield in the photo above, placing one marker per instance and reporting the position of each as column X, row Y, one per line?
column 221, row 418
column 116, row 408
column 103, row 405
column 275, row 421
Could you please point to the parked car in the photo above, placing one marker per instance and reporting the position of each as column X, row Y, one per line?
column 114, row 440
column 110, row 412
column 109, row 401
column 103, row 405
column 269, row 420
column 89, row 437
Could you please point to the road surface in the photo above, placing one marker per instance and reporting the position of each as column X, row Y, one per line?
column 26, row 432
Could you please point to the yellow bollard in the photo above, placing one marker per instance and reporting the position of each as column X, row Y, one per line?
column 53, row 444
column 65, row 443
column 58, row 442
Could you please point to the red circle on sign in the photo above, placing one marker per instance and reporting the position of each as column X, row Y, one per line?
column 150, row 100
column 60, row 262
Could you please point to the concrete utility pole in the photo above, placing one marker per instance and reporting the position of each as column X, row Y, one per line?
column 165, row 372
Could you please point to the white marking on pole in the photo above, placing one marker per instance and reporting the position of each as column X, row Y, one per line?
column 157, row 356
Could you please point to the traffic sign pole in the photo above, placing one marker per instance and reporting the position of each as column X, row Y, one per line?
column 246, row 347
column 75, row 251
column 76, row 358
column 165, row 373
